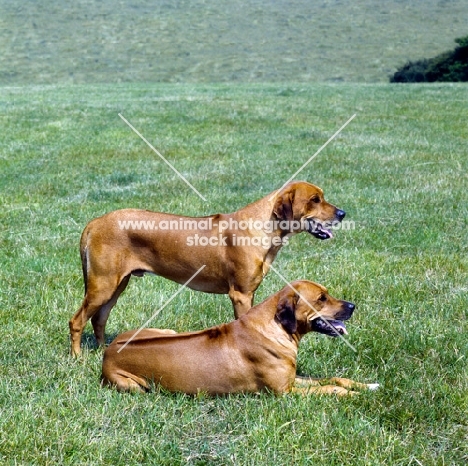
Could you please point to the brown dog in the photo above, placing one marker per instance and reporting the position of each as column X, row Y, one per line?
column 235, row 249
column 256, row 352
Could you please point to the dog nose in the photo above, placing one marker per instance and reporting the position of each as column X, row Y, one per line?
column 340, row 214
column 346, row 312
column 350, row 307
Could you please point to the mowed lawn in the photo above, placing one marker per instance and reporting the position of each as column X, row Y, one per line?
column 399, row 170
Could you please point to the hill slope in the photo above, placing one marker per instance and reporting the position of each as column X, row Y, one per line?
column 219, row 40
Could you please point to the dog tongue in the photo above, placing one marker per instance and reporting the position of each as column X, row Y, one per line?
column 340, row 327
column 323, row 230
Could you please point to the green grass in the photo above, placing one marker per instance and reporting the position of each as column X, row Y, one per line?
column 89, row 41
column 399, row 170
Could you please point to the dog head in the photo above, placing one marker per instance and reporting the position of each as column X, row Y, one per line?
column 301, row 206
column 304, row 306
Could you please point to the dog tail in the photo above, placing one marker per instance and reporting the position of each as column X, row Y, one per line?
column 84, row 257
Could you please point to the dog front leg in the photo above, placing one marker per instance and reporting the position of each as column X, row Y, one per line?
column 348, row 384
column 323, row 390
column 242, row 302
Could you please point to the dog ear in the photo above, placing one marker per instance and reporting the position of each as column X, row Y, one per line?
column 286, row 312
column 283, row 208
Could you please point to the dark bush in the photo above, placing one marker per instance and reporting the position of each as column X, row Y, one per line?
column 448, row 67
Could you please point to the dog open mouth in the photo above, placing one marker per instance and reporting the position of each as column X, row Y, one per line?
column 318, row 230
column 329, row 327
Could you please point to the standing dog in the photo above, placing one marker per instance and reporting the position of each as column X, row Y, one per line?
column 256, row 352
column 235, row 249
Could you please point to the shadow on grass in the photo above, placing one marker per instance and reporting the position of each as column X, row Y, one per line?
column 88, row 341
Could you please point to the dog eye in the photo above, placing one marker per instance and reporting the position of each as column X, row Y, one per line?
column 322, row 297
column 315, row 199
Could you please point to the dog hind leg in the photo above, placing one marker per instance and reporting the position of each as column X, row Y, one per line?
column 124, row 382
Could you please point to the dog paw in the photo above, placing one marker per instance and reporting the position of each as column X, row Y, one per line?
column 373, row 386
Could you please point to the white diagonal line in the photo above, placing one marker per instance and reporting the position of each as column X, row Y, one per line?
column 163, row 158
column 315, row 310
column 317, row 153
column 162, row 307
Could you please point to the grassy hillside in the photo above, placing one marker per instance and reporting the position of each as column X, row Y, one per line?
column 88, row 41
column 399, row 170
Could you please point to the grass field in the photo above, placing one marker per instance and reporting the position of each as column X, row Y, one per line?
column 399, row 170
column 89, row 41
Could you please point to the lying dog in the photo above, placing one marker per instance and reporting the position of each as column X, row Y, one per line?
column 235, row 249
column 256, row 352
